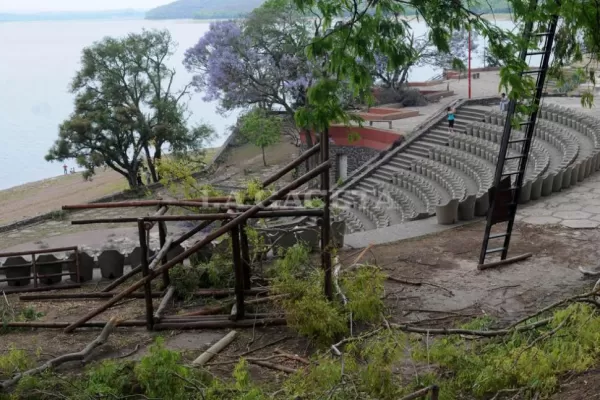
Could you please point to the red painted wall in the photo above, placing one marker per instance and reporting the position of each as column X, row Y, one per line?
column 372, row 138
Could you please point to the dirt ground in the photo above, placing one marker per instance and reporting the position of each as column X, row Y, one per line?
column 36, row 198
column 445, row 287
column 41, row 197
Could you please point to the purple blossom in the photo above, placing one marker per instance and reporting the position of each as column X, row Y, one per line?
column 233, row 68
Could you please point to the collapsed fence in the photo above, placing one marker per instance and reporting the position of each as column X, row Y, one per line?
column 233, row 218
column 43, row 268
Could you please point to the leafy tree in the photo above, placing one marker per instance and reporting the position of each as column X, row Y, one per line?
column 363, row 29
column 458, row 55
column 261, row 129
column 260, row 61
column 396, row 77
column 126, row 107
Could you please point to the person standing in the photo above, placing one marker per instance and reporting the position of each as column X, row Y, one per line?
column 451, row 111
column 503, row 102
column 65, row 169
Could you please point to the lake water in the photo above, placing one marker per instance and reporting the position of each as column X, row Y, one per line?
column 38, row 61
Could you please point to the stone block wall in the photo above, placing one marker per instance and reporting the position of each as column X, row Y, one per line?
column 357, row 157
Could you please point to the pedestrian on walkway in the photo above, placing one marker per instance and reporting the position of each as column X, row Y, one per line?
column 451, row 111
column 503, row 102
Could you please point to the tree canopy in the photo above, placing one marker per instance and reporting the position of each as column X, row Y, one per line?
column 257, row 61
column 261, row 129
column 367, row 29
column 126, row 108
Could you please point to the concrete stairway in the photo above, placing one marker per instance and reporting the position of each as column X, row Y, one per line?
column 449, row 175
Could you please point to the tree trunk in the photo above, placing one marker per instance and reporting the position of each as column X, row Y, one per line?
column 151, row 164
column 132, row 179
column 157, row 157
column 264, row 158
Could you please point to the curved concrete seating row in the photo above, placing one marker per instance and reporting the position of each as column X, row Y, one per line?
column 576, row 164
column 539, row 155
column 583, row 124
column 420, row 186
column 481, row 148
column 405, row 204
column 368, row 206
column 461, row 205
column 441, row 174
column 354, row 224
column 561, row 139
column 579, row 122
column 480, row 171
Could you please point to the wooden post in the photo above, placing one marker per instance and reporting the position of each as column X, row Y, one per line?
column 162, row 233
column 145, row 273
column 34, row 271
column 435, row 392
column 239, row 273
column 245, row 256
column 326, row 225
column 77, row 267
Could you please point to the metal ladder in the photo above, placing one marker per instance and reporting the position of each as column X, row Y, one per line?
column 505, row 192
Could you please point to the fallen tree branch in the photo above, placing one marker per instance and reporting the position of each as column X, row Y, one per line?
column 214, row 349
column 264, row 346
column 221, row 308
column 292, row 357
column 542, row 337
column 419, row 394
column 83, row 354
column 490, row 333
column 164, row 303
column 419, row 283
column 594, row 292
column 130, row 353
column 276, row 367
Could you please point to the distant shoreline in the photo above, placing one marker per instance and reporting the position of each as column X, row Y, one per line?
column 141, row 15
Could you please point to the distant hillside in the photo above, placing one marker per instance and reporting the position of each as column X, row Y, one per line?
column 208, row 9
column 204, row 9
column 74, row 15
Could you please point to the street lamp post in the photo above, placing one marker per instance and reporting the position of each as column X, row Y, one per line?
column 469, row 69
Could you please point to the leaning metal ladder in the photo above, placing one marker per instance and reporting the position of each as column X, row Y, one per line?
column 505, row 192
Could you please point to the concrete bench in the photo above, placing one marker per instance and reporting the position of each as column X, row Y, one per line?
column 389, row 122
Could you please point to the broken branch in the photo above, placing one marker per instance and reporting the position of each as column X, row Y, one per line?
column 100, row 340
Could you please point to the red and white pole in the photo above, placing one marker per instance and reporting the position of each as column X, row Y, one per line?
column 469, row 71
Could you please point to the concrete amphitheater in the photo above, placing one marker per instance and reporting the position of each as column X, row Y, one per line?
column 435, row 173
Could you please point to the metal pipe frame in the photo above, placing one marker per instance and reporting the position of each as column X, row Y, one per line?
column 319, row 170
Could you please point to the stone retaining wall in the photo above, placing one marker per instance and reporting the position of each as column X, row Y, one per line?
column 111, row 263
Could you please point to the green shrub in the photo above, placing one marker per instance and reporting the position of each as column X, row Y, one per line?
column 110, row 379
column 532, row 359
column 14, row 361
column 364, row 289
column 160, row 375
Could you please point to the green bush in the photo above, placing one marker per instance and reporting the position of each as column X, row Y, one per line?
column 161, row 375
column 109, row 379
column 532, row 360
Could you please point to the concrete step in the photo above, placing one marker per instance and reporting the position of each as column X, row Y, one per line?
column 418, row 148
column 434, row 140
column 400, row 162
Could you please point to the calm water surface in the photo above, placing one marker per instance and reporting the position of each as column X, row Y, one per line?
column 39, row 59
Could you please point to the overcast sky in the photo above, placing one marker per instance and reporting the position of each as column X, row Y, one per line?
column 76, row 5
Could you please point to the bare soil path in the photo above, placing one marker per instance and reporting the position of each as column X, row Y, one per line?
column 450, row 290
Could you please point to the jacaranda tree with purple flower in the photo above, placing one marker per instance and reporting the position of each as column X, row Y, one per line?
column 260, row 61
column 240, row 65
